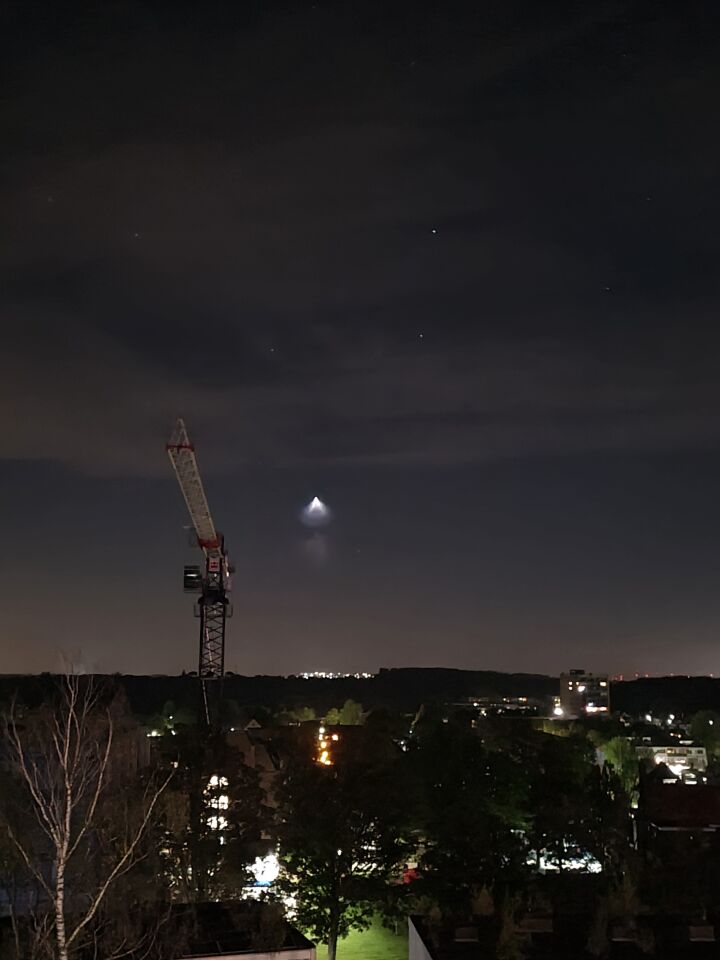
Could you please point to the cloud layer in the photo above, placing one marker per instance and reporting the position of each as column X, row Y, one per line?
column 348, row 235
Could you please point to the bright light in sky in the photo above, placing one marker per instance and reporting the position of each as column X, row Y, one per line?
column 316, row 513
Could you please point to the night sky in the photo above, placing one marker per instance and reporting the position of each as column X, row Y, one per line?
column 451, row 267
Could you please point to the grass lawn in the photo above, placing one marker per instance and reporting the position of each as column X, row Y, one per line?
column 377, row 943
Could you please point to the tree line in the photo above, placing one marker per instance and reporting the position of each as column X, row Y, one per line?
column 104, row 829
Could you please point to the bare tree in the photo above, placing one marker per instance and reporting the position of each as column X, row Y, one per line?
column 66, row 761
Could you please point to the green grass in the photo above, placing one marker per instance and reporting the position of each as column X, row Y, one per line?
column 377, row 943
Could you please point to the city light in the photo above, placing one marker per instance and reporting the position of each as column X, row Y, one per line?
column 324, row 748
column 582, row 863
column 266, row 870
column 331, row 675
column 217, row 801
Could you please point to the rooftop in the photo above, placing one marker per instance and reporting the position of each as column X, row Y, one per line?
column 680, row 805
column 219, row 929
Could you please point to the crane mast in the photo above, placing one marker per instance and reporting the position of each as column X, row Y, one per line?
column 212, row 582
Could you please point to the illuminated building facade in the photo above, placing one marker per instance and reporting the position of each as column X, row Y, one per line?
column 680, row 757
column 326, row 741
column 583, row 694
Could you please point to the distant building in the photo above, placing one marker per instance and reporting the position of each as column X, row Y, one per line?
column 497, row 706
column 583, row 694
column 680, row 757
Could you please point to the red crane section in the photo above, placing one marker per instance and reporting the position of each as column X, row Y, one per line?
column 182, row 457
column 213, row 584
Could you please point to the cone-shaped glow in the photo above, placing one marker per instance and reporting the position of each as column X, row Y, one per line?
column 316, row 513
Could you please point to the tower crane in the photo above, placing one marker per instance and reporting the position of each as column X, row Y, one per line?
column 212, row 580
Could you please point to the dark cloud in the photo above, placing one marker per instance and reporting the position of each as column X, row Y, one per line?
column 81, row 398
column 367, row 234
column 344, row 237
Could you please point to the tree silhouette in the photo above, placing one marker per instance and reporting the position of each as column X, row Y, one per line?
column 340, row 840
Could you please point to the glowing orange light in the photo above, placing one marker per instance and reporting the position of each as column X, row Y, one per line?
column 325, row 741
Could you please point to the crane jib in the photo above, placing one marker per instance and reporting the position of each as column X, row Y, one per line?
column 213, row 606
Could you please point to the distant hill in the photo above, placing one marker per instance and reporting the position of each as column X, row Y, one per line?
column 664, row 695
column 403, row 688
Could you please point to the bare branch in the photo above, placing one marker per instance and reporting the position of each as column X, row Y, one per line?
column 125, row 862
column 99, row 786
column 37, row 875
column 64, row 764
